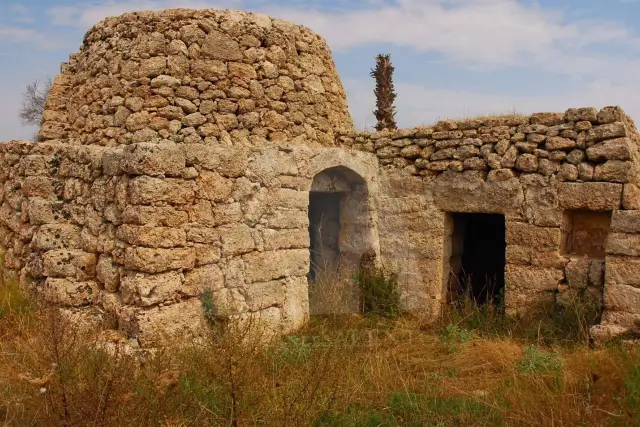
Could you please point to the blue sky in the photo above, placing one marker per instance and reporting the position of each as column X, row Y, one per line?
column 453, row 58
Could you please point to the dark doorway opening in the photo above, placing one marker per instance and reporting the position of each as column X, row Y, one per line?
column 324, row 232
column 479, row 245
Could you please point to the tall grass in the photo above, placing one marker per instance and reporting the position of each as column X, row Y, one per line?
column 475, row 368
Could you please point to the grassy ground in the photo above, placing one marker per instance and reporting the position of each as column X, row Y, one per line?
column 471, row 369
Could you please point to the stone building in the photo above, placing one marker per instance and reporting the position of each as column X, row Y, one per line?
column 190, row 151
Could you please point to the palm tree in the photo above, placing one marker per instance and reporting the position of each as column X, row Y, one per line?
column 385, row 95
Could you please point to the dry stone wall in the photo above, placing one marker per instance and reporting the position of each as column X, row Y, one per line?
column 207, row 76
column 539, row 171
column 181, row 147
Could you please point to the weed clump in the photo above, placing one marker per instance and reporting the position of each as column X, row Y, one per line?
column 380, row 294
column 536, row 360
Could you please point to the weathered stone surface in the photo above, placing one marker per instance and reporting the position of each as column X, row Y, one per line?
column 108, row 273
column 72, row 264
column 532, row 278
column 614, row 171
column 625, row 221
column 150, row 260
column 613, row 149
column 623, row 244
column 631, row 197
column 597, row 196
column 538, row 238
column 149, row 289
column 272, row 265
column 622, row 270
column 70, row 293
column 173, row 323
column 57, row 236
column 153, row 159
column 152, row 237
column 577, row 273
column 622, row 298
column 146, row 190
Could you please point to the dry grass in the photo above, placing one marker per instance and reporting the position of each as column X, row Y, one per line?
column 338, row 371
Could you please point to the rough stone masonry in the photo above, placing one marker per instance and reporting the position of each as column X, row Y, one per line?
column 181, row 148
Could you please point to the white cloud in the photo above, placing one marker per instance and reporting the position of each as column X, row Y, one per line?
column 499, row 32
column 85, row 16
column 20, row 13
column 26, row 35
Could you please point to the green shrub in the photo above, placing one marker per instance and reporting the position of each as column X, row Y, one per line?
column 453, row 335
column 632, row 386
column 537, row 361
column 380, row 292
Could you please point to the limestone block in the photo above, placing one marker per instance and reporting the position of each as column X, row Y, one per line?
column 607, row 131
column 66, row 263
column 462, row 194
column 615, row 171
column 289, row 199
column 218, row 45
column 597, row 196
column 108, row 273
column 203, row 235
column 175, row 323
column 149, row 289
column 622, row 298
column 43, row 187
column 626, row 221
column 549, row 259
column 229, row 162
column 532, row 278
column 559, row 143
column 70, row 294
column 165, row 158
column 207, row 254
column 272, row 265
column 43, row 211
column 538, row 238
column 623, row 244
column 56, row 236
column 620, row 319
column 577, row 273
column 200, row 279
column 285, row 219
column 152, row 237
column 147, row 190
column 237, row 239
column 263, row 295
column 112, row 162
column 518, row 255
column 151, row 260
column 285, row 239
column 295, row 309
column 621, row 270
column 596, row 273
column 213, row 186
column 228, row 213
column 631, row 197
column 154, row 216
column 581, row 114
column 613, row 149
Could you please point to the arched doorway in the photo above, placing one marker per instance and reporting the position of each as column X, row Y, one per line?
column 340, row 231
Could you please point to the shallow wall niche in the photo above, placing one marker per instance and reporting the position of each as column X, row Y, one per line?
column 340, row 232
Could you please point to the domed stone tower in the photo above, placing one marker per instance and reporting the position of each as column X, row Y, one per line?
column 206, row 76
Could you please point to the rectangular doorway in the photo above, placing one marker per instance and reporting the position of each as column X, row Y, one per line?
column 477, row 257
